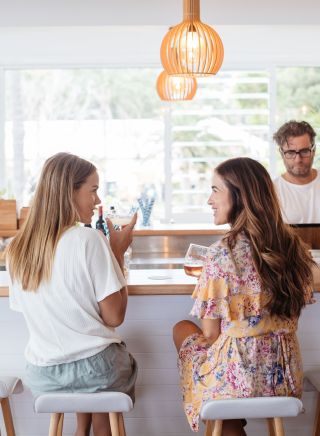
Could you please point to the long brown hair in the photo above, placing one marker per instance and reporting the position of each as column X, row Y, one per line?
column 30, row 254
column 280, row 256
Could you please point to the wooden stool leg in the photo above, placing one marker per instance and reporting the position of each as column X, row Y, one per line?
column 60, row 425
column 270, row 426
column 217, row 427
column 208, row 431
column 7, row 416
column 56, row 424
column 122, row 429
column 114, row 423
column 316, row 428
column 278, row 426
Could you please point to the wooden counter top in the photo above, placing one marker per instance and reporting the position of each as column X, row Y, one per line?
column 180, row 229
column 160, row 282
column 164, row 282
column 151, row 282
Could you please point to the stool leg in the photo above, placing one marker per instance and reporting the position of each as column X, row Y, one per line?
column 122, row 429
column 56, row 424
column 217, row 429
column 278, row 426
column 114, row 423
column 7, row 416
column 316, row 429
column 60, row 425
column 208, row 428
column 270, row 426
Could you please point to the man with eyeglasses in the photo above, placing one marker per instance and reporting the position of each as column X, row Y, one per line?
column 299, row 187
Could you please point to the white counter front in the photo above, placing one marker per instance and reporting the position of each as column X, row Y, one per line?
column 147, row 332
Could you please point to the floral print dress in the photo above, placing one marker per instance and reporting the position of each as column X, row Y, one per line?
column 255, row 354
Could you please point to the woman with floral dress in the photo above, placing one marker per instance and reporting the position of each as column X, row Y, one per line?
column 253, row 285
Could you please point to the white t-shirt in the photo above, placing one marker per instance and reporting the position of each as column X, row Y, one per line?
column 63, row 314
column 300, row 204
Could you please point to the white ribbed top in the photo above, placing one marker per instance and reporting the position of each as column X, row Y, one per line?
column 299, row 203
column 63, row 314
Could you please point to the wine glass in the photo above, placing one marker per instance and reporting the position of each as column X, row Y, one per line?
column 194, row 260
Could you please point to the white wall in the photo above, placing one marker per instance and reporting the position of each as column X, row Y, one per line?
column 147, row 332
column 245, row 46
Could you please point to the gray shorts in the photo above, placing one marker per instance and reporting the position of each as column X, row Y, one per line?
column 113, row 369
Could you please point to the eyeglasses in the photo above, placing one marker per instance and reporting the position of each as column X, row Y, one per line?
column 303, row 153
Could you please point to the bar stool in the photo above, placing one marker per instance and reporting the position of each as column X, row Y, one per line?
column 314, row 378
column 114, row 403
column 271, row 408
column 8, row 385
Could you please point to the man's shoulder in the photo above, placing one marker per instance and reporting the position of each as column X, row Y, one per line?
column 279, row 180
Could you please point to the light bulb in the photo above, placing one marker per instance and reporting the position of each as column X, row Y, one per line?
column 190, row 49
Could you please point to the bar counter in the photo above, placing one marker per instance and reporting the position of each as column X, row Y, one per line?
column 157, row 282
column 158, row 300
column 143, row 282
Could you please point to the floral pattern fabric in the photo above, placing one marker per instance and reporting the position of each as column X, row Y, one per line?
column 255, row 354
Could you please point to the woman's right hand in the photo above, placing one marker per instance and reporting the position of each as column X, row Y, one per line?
column 121, row 239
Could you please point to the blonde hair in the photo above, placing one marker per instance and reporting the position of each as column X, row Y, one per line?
column 280, row 256
column 31, row 253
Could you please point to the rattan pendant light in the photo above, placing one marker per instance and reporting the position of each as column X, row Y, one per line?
column 173, row 88
column 191, row 47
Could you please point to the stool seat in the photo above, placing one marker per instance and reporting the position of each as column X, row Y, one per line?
column 214, row 412
column 100, row 402
column 259, row 407
column 9, row 385
column 59, row 403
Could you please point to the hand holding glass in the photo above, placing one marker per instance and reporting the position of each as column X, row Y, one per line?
column 194, row 260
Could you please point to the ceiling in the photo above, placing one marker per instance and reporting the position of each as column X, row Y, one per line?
column 155, row 13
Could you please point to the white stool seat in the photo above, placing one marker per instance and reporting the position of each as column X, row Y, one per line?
column 100, row 402
column 58, row 404
column 259, row 407
column 9, row 385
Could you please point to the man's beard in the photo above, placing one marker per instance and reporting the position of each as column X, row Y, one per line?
column 302, row 171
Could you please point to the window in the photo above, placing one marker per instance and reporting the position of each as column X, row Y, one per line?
column 111, row 117
column 143, row 146
column 229, row 117
column 298, row 98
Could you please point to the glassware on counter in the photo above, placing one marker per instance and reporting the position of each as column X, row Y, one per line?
column 194, row 260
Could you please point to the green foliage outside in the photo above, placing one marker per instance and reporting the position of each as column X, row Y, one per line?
column 298, row 98
column 229, row 116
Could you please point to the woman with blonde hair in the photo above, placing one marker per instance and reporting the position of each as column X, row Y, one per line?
column 67, row 281
column 253, row 286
